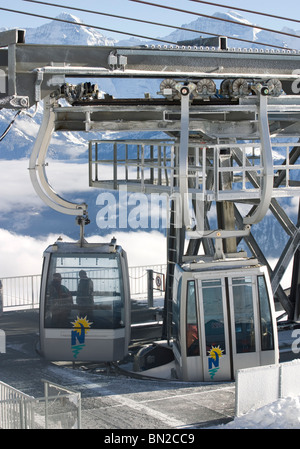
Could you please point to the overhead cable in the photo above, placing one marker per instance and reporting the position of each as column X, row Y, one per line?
column 151, row 23
column 249, row 25
column 247, row 11
column 4, row 134
column 86, row 25
column 121, row 17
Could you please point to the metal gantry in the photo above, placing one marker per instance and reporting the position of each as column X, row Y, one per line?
column 226, row 113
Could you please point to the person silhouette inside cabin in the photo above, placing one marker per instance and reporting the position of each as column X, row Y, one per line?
column 61, row 301
column 85, row 289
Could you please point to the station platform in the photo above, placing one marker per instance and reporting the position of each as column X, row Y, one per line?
column 111, row 400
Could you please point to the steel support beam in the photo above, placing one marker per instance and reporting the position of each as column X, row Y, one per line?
column 257, row 253
column 266, row 181
column 38, row 70
column 37, row 168
column 295, row 285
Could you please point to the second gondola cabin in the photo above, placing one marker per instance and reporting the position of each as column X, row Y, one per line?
column 85, row 302
column 223, row 319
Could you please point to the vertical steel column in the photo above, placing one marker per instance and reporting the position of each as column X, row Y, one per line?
column 180, row 219
column 295, row 283
column 225, row 209
column 183, row 157
column 266, row 184
column 150, row 288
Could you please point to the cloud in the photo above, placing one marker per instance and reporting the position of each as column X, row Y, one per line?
column 142, row 248
column 287, row 277
column 22, row 255
column 17, row 192
column 292, row 208
column 66, row 177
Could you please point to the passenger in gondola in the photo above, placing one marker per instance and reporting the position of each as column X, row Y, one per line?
column 60, row 302
column 84, row 298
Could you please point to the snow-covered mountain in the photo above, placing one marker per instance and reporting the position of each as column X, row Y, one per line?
column 27, row 216
column 64, row 33
column 236, row 30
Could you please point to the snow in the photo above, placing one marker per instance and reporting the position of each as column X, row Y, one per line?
column 234, row 16
column 281, row 414
column 66, row 33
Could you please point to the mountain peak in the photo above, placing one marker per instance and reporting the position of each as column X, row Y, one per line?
column 66, row 31
column 232, row 15
column 68, row 17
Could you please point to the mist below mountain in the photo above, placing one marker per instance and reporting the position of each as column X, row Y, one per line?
column 25, row 214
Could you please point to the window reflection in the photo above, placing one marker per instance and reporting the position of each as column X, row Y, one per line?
column 80, row 286
column 176, row 306
column 192, row 338
column 213, row 314
column 266, row 326
column 243, row 314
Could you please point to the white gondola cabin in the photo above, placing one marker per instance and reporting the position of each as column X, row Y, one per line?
column 223, row 319
column 84, row 302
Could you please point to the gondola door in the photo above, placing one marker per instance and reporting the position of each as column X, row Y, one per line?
column 224, row 320
column 244, row 321
column 215, row 345
column 230, row 324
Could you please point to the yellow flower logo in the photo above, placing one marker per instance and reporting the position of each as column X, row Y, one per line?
column 214, row 351
column 81, row 323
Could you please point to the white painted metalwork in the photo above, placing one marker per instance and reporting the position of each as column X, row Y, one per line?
column 222, row 150
column 141, row 171
column 16, row 408
column 266, row 180
column 21, row 292
column 37, row 168
column 223, row 318
column 60, row 408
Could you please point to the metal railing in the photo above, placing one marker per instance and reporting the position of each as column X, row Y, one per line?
column 136, row 164
column 139, row 281
column 22, row 292
column 150, row 166
column 16, row 410
column 60, row 408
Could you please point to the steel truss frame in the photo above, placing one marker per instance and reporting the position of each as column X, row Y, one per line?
column 32, row 73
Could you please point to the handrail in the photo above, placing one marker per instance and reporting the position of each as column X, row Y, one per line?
column 22, row 292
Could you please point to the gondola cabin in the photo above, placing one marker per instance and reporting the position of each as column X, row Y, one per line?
column 223, row 319
column 84, row 302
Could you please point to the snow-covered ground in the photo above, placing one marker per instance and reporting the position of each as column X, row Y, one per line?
column 281, row 414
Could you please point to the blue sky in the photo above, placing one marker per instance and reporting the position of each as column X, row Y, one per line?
column 287, row 8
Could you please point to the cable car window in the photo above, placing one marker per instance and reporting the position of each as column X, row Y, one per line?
column 192, row 336
column 213, row 314
column 84, row 287
column 266, row 325
column 176, row 314
column 243, row 314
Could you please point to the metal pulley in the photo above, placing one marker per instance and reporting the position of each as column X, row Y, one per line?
column 275, row 87
column 240, row 87
column 168, row 89
column 206, row 87
column 80, row 92
column 226, row 87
